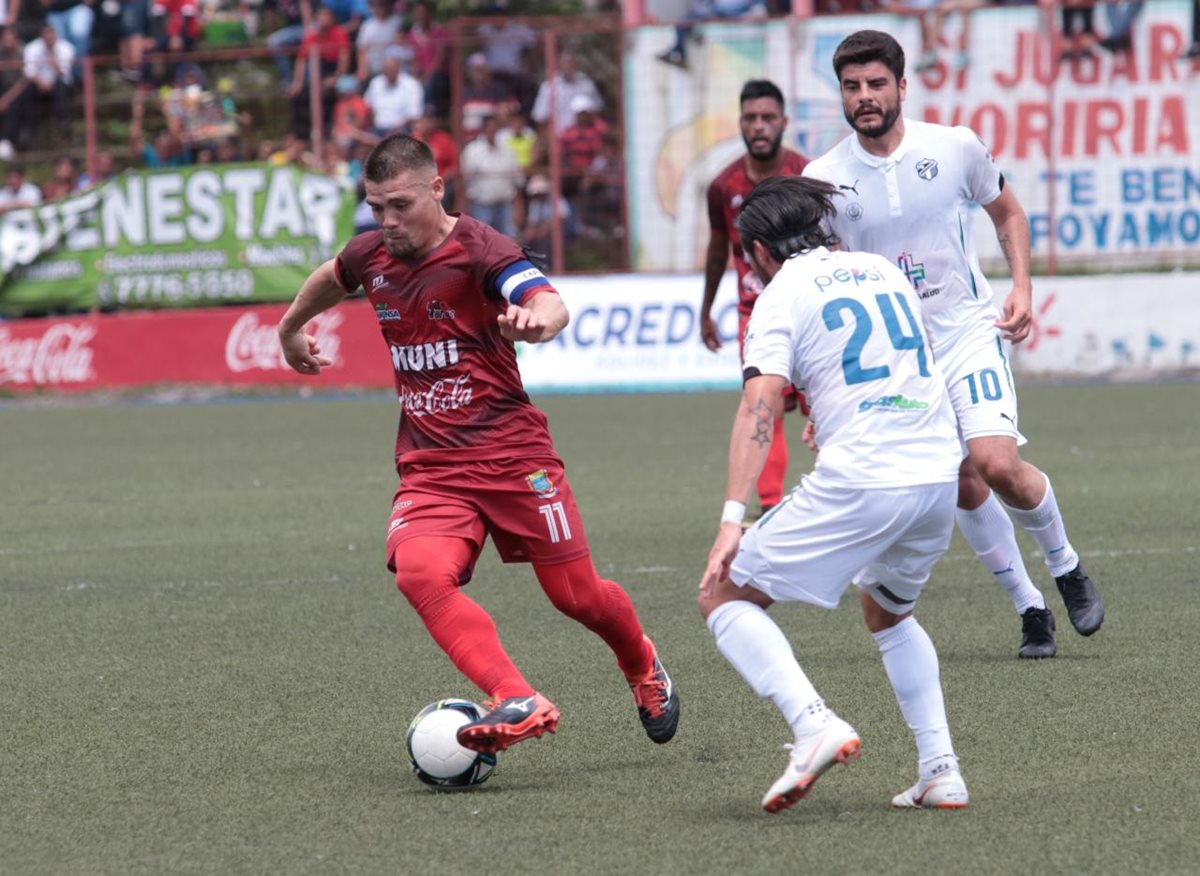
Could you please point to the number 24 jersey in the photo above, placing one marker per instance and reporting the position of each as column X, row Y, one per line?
column 845, row 327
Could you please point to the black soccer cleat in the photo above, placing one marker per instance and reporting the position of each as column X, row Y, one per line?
column 657, row 702
column 1037, row 634
column 1085, row 607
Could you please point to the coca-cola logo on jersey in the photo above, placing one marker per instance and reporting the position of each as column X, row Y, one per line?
column 444, row 395
column 62, row 354
column 254, row 345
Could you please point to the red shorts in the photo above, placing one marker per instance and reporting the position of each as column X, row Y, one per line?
column 525, row 505
column 792, row 398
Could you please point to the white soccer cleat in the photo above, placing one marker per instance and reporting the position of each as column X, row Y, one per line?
column 810, row 757
column 946, row 790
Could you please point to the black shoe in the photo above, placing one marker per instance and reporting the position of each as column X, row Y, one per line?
column 1037, row 634
column 674, row 57
column 1117, row 44
column 1085, row 608
column 657, row 702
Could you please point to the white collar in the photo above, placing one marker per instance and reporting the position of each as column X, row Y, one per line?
column 872, row 160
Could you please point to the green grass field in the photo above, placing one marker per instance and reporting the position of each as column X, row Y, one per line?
column 205, row 668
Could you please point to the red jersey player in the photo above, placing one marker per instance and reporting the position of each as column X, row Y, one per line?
column 474, row 455
column 763, row 122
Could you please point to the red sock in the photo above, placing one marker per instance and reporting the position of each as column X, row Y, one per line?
column 603, row 607
column 427, row 573
column 770, row 481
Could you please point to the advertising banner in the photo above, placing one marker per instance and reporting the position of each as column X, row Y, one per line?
column 627, row 334
column 235, row 346
column 183, row 237
column 1103, row 152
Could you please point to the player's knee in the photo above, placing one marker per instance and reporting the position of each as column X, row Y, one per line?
column 1000, row 468
column 875, row 616
column 707, row 604
column 973, row 490
column 422, row 572
column 576, row 590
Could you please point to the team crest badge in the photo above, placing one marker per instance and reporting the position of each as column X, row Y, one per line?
column 438, row 310
column 854, row 211
column 541, row 484
column 927, row 168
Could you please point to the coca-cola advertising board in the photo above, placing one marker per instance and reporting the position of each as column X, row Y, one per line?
column 232, row 346
column 635, row 332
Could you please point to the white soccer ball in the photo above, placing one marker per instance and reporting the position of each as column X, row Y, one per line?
column 437, row 758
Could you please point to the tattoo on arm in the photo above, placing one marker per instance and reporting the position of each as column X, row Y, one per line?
column 1006, row 246
column 764, row 424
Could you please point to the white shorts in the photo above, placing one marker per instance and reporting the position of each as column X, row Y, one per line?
column 821, row 539
column 980, row 383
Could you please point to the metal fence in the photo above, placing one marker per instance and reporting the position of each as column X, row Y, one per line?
column 1097, row 132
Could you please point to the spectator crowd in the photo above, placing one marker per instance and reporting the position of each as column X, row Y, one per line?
column 379, row 67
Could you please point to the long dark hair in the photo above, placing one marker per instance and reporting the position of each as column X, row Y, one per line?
column 788, row 215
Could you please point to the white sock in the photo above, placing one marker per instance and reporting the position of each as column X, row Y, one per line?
column 989, row 532
column 761, row 654
column 912, row 668
column 1046, row 525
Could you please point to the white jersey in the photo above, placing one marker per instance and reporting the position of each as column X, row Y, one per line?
column 845, row 327
column 911, row 208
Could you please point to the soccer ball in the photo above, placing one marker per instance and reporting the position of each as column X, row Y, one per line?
column 437, row 758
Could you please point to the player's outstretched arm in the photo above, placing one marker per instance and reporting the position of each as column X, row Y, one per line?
column 320, row 292
column 538, row 320
column 1012, row 230
column 753, row 427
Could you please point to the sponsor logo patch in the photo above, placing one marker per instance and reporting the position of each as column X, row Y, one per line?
column 437, row 310
column 386, row 314
column 913, row 269
column 893, row 403
column 432, row 356
column 541, row 484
